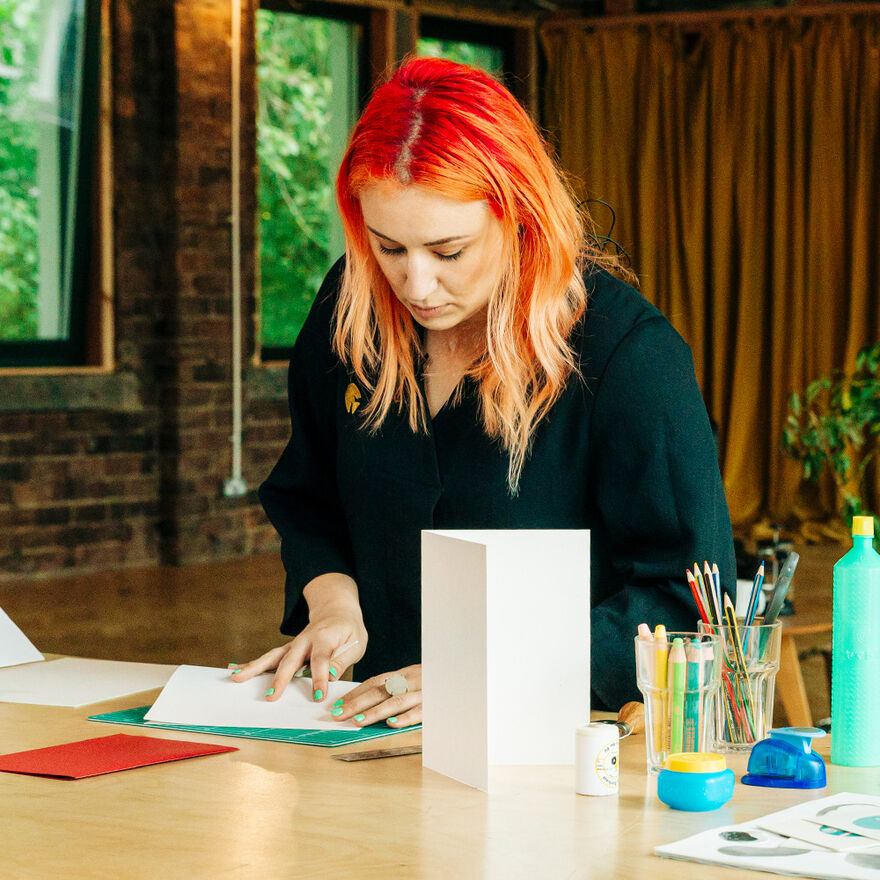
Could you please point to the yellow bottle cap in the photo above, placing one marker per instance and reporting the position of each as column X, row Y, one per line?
column 863, row 526
column 696, row 762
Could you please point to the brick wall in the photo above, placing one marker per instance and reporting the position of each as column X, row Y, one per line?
column 101, row 471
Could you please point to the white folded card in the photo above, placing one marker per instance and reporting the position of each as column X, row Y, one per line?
column 505, row 648
column 15, row 646
column 206, row 696
column 75, row 681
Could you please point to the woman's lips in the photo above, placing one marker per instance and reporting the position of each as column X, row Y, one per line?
column 423, row 312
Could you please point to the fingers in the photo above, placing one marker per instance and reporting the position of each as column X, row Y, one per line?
column 320, row 648
column 375, row 705
column 286, row 669
column 328, row 660
column 285, row 660
column 406, row 719
column 320, row 664
column 267, row 661
column 370, row 702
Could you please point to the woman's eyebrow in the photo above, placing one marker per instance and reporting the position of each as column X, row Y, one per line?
column 427, row 243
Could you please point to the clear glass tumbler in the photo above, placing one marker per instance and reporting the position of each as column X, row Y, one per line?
column 750, row 660
column 678, row 682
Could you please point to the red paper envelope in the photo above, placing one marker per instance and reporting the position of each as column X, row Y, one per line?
column 104, row 754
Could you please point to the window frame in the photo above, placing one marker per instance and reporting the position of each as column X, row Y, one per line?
column 461, row 30
column 357, row 15
column 74, row 351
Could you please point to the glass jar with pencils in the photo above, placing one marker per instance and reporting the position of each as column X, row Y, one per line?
column 749, row 663
column 678, row 674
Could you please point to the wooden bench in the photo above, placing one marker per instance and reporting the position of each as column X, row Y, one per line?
column 808, row 620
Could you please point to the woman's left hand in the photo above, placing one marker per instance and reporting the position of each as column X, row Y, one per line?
column 370, row 702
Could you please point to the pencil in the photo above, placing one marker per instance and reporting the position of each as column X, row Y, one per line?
column 677, row 675
column 694, row 656
column 698, row 577
column 712, row 587
column 716, row 578
column 753, row 598
column 732, row 625
column 695, row 590
column 660, row 648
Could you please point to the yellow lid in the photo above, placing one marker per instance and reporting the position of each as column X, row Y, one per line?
column 696, row 762
column 863, row 526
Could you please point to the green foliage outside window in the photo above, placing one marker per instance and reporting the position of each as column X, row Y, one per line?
column 297, row 146
column 488, row 58
column 19, row 222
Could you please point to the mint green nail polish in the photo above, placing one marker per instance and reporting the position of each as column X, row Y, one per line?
column 338, row 703
column 336, row 712
column 359, row 717
column 333, row 672
column 319, row 694
column 392, row 719
column 233, row 665
column 270, row 692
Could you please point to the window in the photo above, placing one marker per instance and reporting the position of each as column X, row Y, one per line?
column 480, row 45
column 49, row 58
column 309, row 79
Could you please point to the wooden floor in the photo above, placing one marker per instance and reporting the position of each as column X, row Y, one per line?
column 221, row 612
column 206, row 615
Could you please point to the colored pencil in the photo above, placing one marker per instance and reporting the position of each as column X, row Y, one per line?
column 694, row 655
column 660, row 682
column 677, row 686
column 692, row 583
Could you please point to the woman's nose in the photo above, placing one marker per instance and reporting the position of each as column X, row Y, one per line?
column 420, row 282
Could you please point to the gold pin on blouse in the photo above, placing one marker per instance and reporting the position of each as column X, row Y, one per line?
column 352, row 398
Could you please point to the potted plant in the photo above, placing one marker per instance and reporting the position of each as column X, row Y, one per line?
column 834, row 426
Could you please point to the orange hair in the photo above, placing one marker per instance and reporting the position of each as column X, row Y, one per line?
column 453, row 129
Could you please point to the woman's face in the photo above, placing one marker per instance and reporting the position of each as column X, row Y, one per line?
column 442, row 257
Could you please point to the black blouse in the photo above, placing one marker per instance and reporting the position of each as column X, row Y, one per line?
column 627, row 452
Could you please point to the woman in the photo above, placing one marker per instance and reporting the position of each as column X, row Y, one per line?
column 473, row 364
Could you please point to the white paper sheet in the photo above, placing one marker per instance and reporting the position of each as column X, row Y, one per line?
column 749, row 846
column 821, row 835
column 15, row 646
column 74, row 681
column 498, row 606
column 204, row 695
column 857, row 818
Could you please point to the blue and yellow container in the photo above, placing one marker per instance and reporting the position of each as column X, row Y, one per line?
column 695, row 781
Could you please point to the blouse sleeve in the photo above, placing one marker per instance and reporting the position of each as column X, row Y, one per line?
column 300, row 495
column 659, row 495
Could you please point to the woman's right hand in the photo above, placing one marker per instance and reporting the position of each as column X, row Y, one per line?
column 335, row 622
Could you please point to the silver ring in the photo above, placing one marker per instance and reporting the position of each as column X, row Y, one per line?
column 395, row 684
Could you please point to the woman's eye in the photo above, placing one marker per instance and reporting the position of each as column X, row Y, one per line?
column 454, row 256
column 390, row 251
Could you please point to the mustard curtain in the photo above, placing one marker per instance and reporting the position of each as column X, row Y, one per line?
column 743, row 163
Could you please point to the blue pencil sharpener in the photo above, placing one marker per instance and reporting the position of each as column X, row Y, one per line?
column 787, row 760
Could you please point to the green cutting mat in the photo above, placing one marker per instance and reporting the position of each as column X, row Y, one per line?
column 308, row 737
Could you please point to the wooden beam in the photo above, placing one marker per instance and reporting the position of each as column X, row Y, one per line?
column 407, row 33
column 620, row 7
column 698, row 18
column 381, row 44
column 525, row 68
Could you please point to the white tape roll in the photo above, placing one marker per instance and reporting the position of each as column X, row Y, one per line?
column 597, row 758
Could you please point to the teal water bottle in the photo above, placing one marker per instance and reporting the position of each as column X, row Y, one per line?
column 855, row 654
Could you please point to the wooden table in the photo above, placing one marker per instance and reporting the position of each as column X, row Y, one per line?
column 273, row 810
